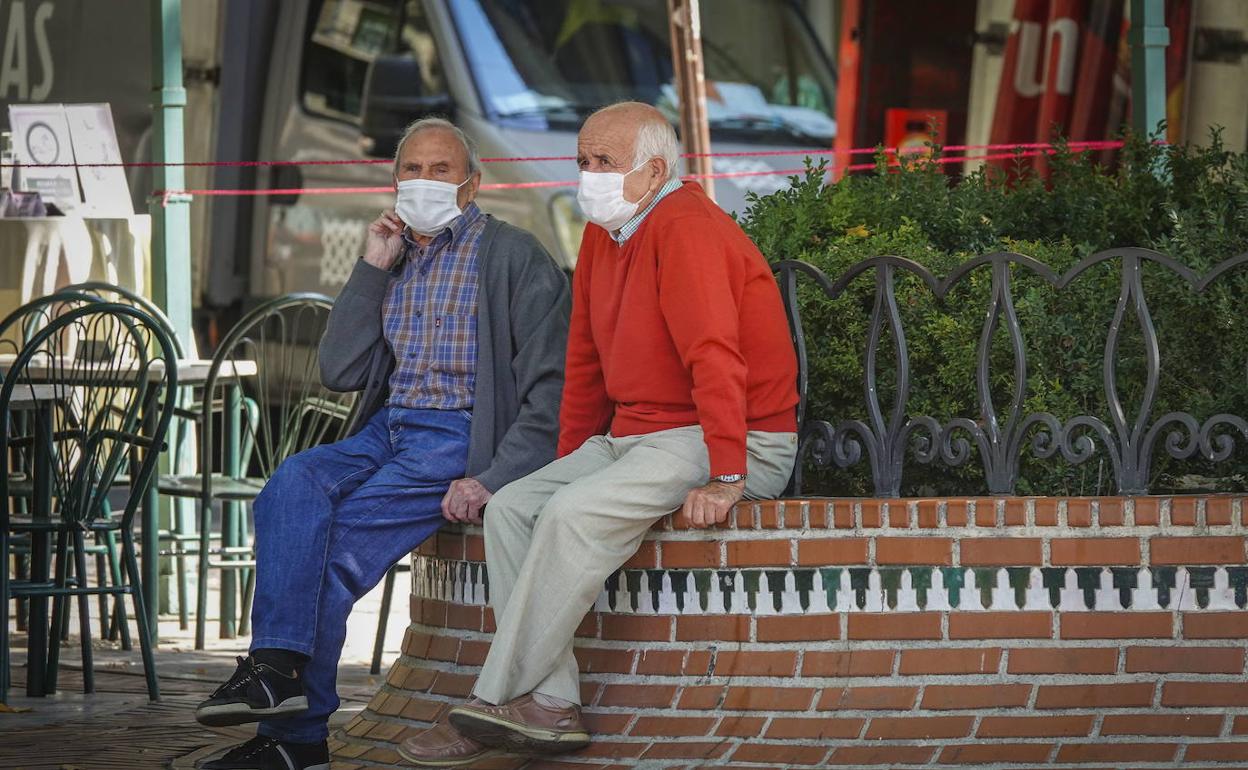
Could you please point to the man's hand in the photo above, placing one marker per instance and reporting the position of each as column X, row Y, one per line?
column 384, row 242
column 709, row 505
column 464, row 500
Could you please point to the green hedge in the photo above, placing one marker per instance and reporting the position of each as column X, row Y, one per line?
column 1189, row 203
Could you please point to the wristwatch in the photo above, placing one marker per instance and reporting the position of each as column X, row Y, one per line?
column 729, row 478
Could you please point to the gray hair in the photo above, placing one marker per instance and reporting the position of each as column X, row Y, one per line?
column 428, row 124
column 657, row 139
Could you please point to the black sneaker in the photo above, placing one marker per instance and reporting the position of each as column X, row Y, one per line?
column 255, row 691
column 264, row 753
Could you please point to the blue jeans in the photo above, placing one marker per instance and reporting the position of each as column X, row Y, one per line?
column 329, row 524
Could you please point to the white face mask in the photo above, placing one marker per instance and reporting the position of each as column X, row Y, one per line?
column 601, row 195
column 428, row 206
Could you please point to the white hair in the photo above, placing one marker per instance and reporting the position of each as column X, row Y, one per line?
column 657, row 139
column 429, row 124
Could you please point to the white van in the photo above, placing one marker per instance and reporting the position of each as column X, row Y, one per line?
column 335, row 80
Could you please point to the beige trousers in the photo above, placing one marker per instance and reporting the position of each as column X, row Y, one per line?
column 553, row 537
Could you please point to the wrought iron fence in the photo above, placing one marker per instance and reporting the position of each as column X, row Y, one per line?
column 999, row 435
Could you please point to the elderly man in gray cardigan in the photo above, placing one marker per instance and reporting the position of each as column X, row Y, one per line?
column 453, row 324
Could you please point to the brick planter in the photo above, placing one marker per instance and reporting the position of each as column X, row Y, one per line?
column 857, row 633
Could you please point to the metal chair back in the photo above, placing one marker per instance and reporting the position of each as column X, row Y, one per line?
column 109, row 292
column 20, row 325
column 282, row 409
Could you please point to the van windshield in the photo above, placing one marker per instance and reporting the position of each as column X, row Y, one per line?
column 547, row 63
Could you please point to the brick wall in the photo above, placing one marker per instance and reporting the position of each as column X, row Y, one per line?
column 1078, row 632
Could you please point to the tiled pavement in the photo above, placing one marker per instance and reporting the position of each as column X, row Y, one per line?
column 117, row 727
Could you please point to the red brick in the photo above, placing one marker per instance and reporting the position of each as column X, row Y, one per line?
column 1094, row 551
column 690, row 553
column 1196, row 550
column 818, row 514
column 956, row 513
column 1073, row 660
column 1015, row 512
column 1218, row 510
column 1094, row 696
column 1117, row 625
column 664, row 662
column 472, row 652
column 848, row 663
column 867, row 698
column 672, row 726
column 443, row 648
column 782, row 753
column 1240, row 726
column 463, row 616
column 1147, row 511
column 606, row 724
column 828, row 552
column 1035, row 727
column 1079, row 512
column 701, row 697
column 1000, row 551
column 612, row 750
column 1162, row 724
column 769, row 698
column 799, row 628
column 917, row 728
column 646, row 557
column 416, row 643
column 589, row 692
column 770, row 514
column 842, row 512
column 734, row 663
column 1117, row 752
column 1217, row 752
column 929, row 514
column 972, row 660
column 430, row 612
column 1183, row 512
column 685, row 750
column 474, row 548
column 1110, row 511
column 975, row 696
column 454, row 685
column 642, row 628
column 1215, row 625
column 914, row 550
column 741, row 727
column 903, row 625
column 993, row 753
column 1046, row 511
column 1000, row 625
column 759, row 553
column 1205, row 694
column 597, row 660
column 709, row 627
column 872, row 514
column 451, row 545
column 805, row 728
column 638, row 695
column 857, row 756
column 1186, row 660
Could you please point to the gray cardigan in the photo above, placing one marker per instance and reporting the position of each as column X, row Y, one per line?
column 522, row 330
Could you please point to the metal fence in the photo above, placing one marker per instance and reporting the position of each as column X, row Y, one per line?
column 999, row 435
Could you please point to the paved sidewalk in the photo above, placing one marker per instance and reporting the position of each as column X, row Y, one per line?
column 117, row 727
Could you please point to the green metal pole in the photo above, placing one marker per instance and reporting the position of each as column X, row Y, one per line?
column 1149, row 38
column 171, row 232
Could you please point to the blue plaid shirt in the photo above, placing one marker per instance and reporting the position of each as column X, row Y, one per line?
column 631, row 225
column 430, row 318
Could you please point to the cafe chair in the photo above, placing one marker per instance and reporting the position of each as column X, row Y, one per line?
column 249, row 424
column 97, row 414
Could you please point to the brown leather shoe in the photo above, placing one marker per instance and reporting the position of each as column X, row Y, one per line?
column 522, row 725
column 443, row 746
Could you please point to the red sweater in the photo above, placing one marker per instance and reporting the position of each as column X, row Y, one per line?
column 682, row 325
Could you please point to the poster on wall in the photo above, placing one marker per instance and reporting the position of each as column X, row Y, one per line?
column 104, row 189
column 42, row 141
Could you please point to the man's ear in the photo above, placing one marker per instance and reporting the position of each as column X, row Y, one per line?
column 470, row 189
column 659, row 167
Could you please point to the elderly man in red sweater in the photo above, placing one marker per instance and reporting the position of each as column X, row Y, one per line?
column 680, row 392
